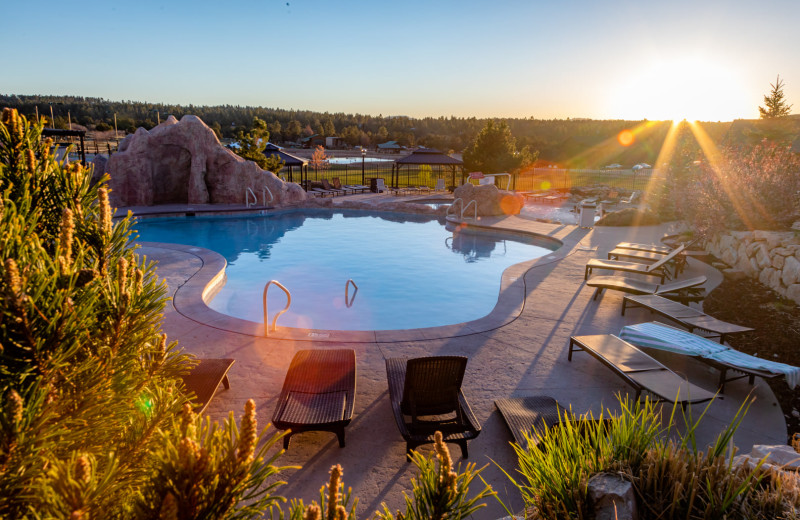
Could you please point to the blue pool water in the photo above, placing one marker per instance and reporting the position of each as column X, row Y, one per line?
column 411, row 271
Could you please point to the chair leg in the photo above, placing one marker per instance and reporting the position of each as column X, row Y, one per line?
column 597, row 293
column 340, row 436
column 226, row 383
column 286, row 440
column 464, row 452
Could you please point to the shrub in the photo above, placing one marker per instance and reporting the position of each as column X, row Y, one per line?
column 671, row 477
column 753, row 189
column 629, row 217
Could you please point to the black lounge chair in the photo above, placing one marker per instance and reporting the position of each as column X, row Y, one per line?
column 318, row 393
column 684, row 291
column 530, row 415
column 204, row 378
column 428, row 391
column 337, row 191
column 658, row 268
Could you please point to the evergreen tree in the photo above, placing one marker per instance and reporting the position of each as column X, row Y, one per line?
column 90, row 423
column 494, row 150
column 775, row 102
column 252, row 145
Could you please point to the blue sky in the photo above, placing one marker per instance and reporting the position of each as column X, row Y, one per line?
column 710, row 60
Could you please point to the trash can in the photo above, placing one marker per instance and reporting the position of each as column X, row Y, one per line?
column 373, row 184
column 587, row 215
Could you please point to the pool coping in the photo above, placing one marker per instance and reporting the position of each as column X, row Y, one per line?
column 190, row 300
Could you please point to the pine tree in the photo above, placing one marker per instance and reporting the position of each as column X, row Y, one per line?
column 775, row 102
column 90, row 390
column 252, row 145
column 494, row 150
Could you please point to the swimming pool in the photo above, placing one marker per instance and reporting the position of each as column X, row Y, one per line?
column 410, row 270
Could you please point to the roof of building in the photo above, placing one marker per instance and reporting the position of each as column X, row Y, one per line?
column 392, row 145
column 429, row 156
column 289, row 159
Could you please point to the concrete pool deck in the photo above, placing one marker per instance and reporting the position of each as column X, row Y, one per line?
column 519, row 350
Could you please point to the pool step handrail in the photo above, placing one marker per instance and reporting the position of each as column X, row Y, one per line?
column 453, row 205
column 264, row 192
column 347, row 300
column 247, row 193
column 266, row 312
column 465, row 208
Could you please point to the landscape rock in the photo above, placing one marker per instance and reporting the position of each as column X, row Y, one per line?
column 490, row 200
column 734, row 274
column 99, row 164
column 612, row 497
column 184, row 162
column 779, row 455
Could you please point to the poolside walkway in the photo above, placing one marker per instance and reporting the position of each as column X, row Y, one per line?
column 520, row 350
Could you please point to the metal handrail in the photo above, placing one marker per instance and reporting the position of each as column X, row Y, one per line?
column 470, row 203
column 288, row 303
column 347, row 300
column 448, row 246
column 264, row 195
column 453, row 205
column 247, row 193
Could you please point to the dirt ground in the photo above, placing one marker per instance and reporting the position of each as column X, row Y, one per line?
column 776, row 321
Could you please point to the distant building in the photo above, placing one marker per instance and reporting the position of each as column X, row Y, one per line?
column 312, row 141
column 389, row 147
column 335, row 142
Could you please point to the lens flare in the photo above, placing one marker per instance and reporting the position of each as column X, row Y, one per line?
column 626, row 138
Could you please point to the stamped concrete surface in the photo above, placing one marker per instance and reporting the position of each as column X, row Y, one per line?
column 521, row 349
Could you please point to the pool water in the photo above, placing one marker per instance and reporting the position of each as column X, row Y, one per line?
column 411, row 271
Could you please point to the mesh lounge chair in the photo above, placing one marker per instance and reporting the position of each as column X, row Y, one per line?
column 440, row 186
column 318, row 393
column 658, row 268
column 639, row 370
column 381, row 186
column 204, row 378
column 680, row 290
column 327, row 185
column 427, row 391
column 686, row 316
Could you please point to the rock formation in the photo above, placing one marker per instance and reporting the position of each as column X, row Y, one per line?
column 490, row 200
column 184, row 162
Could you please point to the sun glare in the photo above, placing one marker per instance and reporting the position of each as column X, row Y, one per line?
column 694, row 88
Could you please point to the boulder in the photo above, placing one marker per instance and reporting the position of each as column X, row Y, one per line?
column 490, row 200
column 612, row 497
column 184, row 162
column 791, row 271
column 99, row 167
column 779, row 455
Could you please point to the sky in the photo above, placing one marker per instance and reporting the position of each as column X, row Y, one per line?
column 672, row 59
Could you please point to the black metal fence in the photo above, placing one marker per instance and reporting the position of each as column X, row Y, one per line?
column 538, row 179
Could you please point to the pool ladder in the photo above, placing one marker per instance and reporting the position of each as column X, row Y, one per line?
column 277, row 315
column 463, row 208
column 249, row 191
column 348, row 300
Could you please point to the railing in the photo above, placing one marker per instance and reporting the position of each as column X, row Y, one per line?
column 347, row 300
column 247, row 193
column 453, row 205
column 264, row 192
column 465, row 208
column 266, row 312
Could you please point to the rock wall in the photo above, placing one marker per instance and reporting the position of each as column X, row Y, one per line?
column 490, row 200
column 771, row 257
column 184, row 162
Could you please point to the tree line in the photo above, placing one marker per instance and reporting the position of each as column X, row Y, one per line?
column 573, row 143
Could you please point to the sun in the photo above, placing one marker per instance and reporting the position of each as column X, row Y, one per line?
column 694, row 88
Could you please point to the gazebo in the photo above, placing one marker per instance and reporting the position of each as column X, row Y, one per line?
column 431, row 157
column 290, row 161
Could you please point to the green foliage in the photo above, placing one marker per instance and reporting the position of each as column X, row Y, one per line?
column 334, row 502
column 750, row 189
column 440, row 493
column 90, row 386
column 424, row 174
column 494, row 150
column 204, row 471
column 775, row 102
column 252, row 145
column 629, row 217
column 672, row 478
